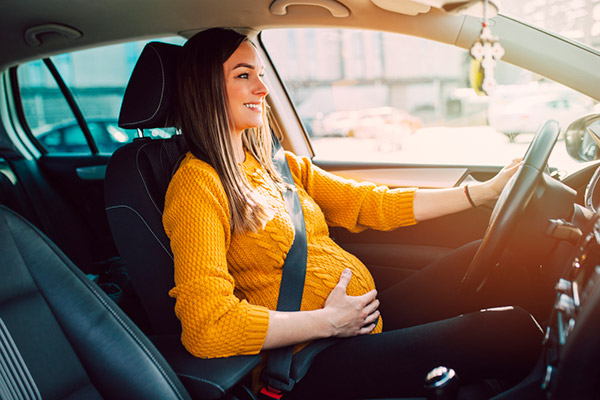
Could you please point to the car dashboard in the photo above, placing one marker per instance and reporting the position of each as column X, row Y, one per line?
column 571, row 345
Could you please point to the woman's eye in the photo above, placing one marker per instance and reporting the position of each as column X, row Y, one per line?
column 243, row 76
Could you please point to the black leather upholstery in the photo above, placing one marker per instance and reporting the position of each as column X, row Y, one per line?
column 136, row 182
column 151, row 88
column 74, row 341
column 137, row 177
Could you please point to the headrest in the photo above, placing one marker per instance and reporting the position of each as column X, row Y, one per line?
column 151, row 88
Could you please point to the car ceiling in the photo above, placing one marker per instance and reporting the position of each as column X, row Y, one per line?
column 113, row 21
column 117, row 20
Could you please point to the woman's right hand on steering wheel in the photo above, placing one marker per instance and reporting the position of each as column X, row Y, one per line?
column 351, row 315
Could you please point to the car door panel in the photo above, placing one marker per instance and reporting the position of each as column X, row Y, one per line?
column 79, row 182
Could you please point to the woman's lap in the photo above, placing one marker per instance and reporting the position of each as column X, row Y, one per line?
column 501, row 343
column 428, row 322
column 433, row 293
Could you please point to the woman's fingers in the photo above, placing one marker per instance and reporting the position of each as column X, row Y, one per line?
column 351, row 315
column 514, row 166
column 499, row 181
column 344, row 279
column 371, row 318
column 372, row 306
column 511, row 168
column 368, row 297
column 366, row 329
column 514, row 162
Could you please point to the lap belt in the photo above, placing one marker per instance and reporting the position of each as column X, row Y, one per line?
column 276, row 374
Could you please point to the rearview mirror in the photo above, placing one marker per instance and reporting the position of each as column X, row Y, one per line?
column 582, row 138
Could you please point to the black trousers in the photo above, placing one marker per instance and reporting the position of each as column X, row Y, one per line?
column 429, row 322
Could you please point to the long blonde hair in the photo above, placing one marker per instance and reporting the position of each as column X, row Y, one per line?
column 204, row 117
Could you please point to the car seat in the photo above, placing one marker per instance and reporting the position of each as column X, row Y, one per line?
column 136, row 181
column 137, row 177
column 61, row 336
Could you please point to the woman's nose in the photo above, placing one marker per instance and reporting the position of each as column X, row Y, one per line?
column 261, row 89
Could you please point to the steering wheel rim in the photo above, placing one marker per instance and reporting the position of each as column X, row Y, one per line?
column 510, row 206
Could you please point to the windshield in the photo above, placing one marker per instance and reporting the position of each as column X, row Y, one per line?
column 578, row 20
column 372, row 96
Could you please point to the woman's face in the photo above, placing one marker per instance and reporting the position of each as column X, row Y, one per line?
column 246, row 91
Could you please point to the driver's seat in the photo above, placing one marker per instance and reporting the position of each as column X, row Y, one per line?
column 136, row 181
column 137, row 178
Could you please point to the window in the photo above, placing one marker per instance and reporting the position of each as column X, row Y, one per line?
column 375, row 96
column 576, row 20
column 96, row 79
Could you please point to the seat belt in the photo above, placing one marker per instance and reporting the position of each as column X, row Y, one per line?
column 276, row 374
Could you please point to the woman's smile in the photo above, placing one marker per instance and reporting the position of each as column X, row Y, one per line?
column 256, row 107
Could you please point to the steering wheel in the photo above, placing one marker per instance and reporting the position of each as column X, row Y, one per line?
column 511, row 205
column 592, row 193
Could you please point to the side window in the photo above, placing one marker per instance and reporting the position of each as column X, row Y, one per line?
column 96, row 79
column 378, row 96
column 46, row 110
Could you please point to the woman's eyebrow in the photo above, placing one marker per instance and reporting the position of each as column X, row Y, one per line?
column 249, row 66
column 244, row 65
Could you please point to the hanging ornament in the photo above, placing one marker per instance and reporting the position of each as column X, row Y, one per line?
column 485, row 52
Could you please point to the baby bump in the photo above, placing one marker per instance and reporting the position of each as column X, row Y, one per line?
column 326, row 261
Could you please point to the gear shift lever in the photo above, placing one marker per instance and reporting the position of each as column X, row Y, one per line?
column 441, row 383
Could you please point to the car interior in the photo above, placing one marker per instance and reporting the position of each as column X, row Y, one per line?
column 87, row 266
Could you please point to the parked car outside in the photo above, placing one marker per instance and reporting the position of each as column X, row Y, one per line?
column 386, row 124
column 523, row 115
column 67, row 137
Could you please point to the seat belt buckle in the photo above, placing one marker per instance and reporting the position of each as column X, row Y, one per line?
column 269, row 393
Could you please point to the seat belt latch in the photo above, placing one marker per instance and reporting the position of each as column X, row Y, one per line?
column 268, row 393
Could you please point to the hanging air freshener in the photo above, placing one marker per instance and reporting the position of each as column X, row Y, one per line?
column 485, row 52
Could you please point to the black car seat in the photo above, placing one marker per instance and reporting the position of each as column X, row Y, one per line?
column 136, row 181
column 137, row 177
column 61, row 336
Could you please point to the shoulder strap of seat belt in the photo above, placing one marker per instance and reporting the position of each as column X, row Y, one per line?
column 276, row 374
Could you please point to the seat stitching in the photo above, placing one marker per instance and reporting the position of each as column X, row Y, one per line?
column 87, row 283
column 19, row 382
column 203, row 380
column 137, row 339
column 145, row 223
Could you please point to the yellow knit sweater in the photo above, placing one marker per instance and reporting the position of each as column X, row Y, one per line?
column 224, row 283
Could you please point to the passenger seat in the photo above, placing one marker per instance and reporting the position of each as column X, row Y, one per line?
column 61, row 336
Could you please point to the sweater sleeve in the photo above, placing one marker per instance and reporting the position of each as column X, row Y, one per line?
column 215, row 323
column 350, row 204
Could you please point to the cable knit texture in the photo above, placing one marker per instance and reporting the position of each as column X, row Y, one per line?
column 225, row 284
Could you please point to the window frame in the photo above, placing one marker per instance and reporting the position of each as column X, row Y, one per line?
column 20, row 112
column 66, row 92
column 283, row 108
column 68, row 97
